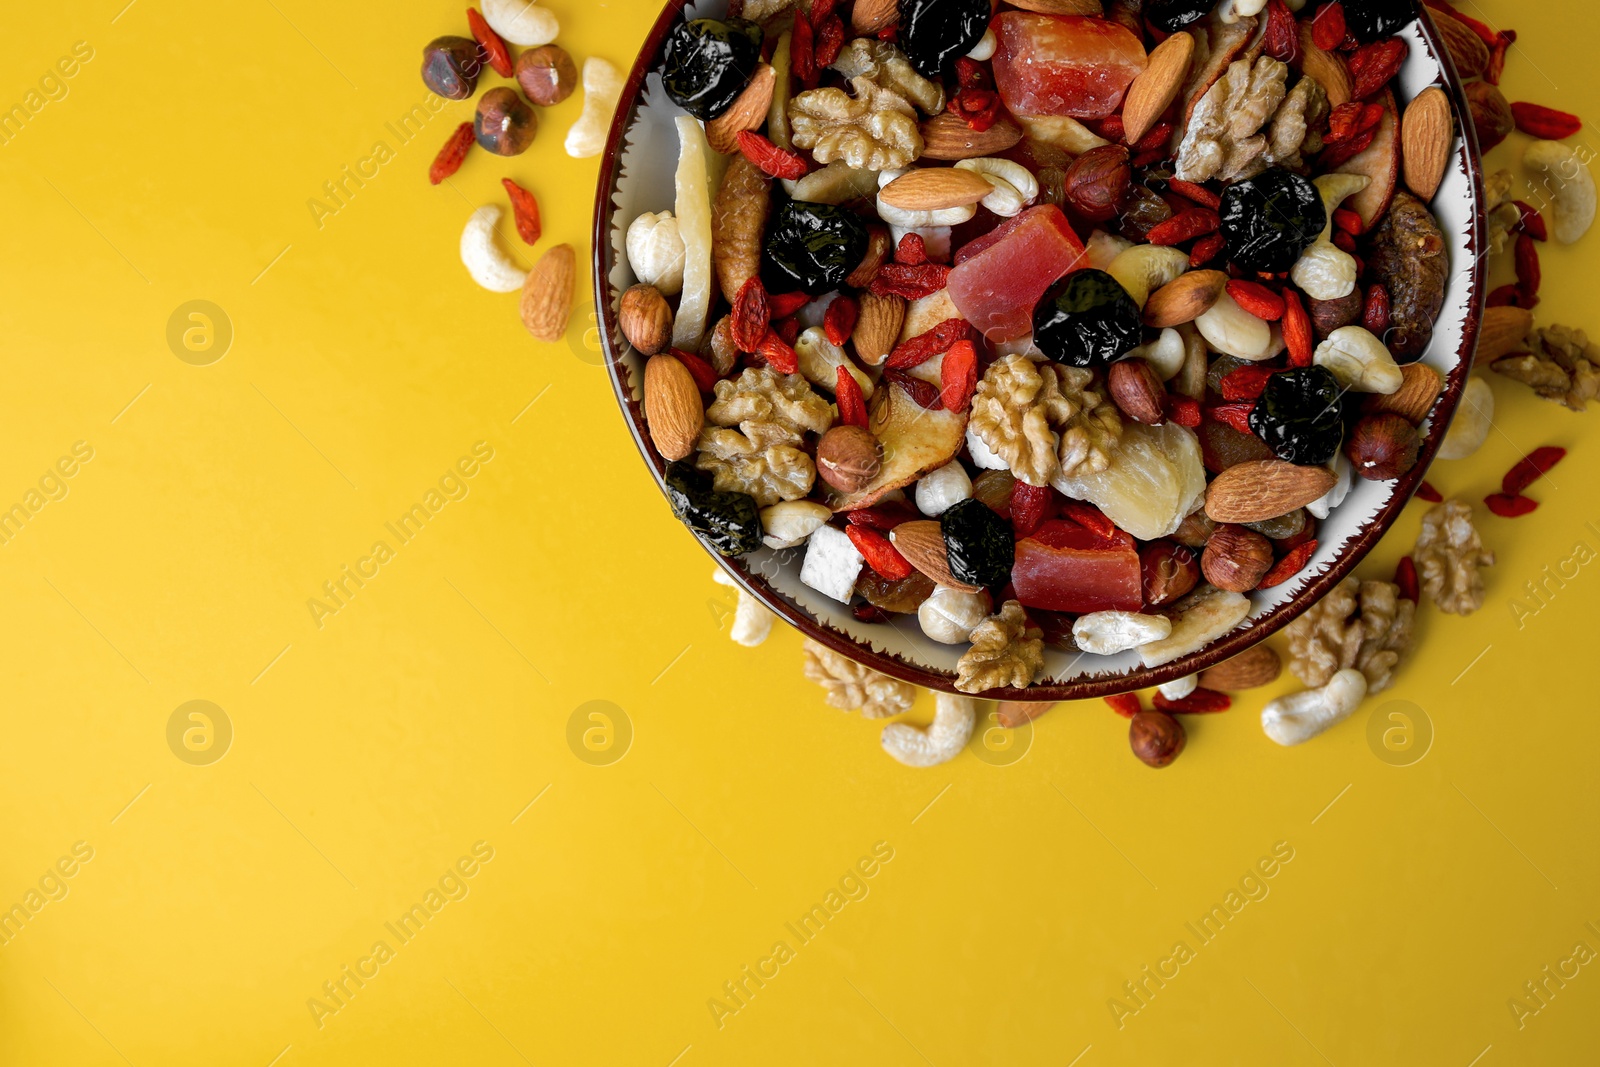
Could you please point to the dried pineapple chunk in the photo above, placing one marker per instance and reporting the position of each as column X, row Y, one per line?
column 1154, row 480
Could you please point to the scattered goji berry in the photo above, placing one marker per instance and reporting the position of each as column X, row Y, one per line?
column 1236, row 416
column 785, row 304
column 1282, row 38
column 1427, row 492
column 1531, row 222
column 1205, row 250
column 525, row 210
column 1347, row 220
column 839, row 321
column 917, row 350
column 852, row 405
column 1247, row 382
column 925, row 394
column 1086, row 515
column 768, row 158
column 778, row 354
column 1257, row 299
column 1546, row 123
column 879, row 552
column 1505, row 296
column 958, row 376
column 1405, row 576
column 1198, row 193
column 450, row 157
column 1508, row 506
column 1291, row 564
column 1445, row 7
column 912, row 250
column 493, row 48
column 1183, row 410
column 1180, row 228
column 1030, row 506
column 829, row 40
column 703, row 373
column 1372, row 66
column 1375, row 310
column 752, row 316
column 1497, row 56
column 1200, row 702
column 910, row 283
column 1327, row 29
column 1125, row 704
column 1296, row 330
column 885, row 516
column 1531, row 468
column 1529, row 276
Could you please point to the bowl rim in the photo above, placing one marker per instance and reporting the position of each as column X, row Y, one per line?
column 1223, row 648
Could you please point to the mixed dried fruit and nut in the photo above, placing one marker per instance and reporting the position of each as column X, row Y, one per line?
column 1054, row 324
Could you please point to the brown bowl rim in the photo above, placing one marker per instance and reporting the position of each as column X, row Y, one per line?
column 1223, row 648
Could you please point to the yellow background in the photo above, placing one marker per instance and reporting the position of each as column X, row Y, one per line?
column 370, row 754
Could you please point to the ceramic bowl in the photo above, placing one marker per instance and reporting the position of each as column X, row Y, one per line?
column 637, row 175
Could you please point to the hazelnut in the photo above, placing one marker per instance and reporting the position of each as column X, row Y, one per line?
column 547, row 75
column 1382, row 447
column 1156, row 737
column 1236, row 559
column 1095, row 184
column 1195, row 530
column 504, row 124
column 849, row 458
column 1138, row 391
column 1168, row 571
column 1330, row 315
column 1491, row 114
column 451, row 65
column 646, row 319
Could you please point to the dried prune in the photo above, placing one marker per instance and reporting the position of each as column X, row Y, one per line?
column 1298, row 415
column 1087, row 319
column 1411, row 258
column 813, row 247
column 1170, row 16
column 1372, row 19
column 979, row 545
column 728, row 522
column 1270, row 219
column 708, row 63
column 934, row 32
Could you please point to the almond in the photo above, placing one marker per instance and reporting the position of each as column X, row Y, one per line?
column 1503, row 330
column 1420, row 386
column 672, row 406
column 747, row 112
column 922, row 544
column 935, row 189
column 1327, row 67
column 646, row 319
column 1185, row 298
column 1427, row 131
column 1157, row 86
column 1014, row 713
column 1466, row 48
column 870, row 16
column 547, row 294
column 1264, row 489
column 947, row 136
column 878, row 326
column 1061, row 7
column 1250, row 669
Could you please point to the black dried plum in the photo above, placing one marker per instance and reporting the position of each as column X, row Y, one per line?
column 1087, row 319
column 813, row 247
column 1372, row 19
column 1170, row 16
column 728, row 522
column 934, row 32
column 979, row 545
column 1298, row 415
column 1270, row 219
column 708, row 63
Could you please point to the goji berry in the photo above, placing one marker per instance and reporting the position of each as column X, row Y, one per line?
column 1296, row 330
column 912, row 250
column 525, row 210
column 1344, row 151
column 752, row 316
column 1508, row 506
column 768, row 158
column 787, row 328
column 1183, row 410
column 785, row 304
column 1405, row 576
column 1327, row 29
column 1529, row 276
column 1180, row 228
column 493, row 48
column 1148, row 158
column 1351, row 118
column 879, row 552
column 450, row 157
column 847, row 392
column 923, row 393
column 885, row 516
column 1030, row 506
column 1375, row 310
column 1257, row 299
column 924, row 346
column 958, row 376
column 1236, row 416
column 1347, row 220
column 865, row 612
column 1198, row 193
column 1246, row 383
column 1157, row 137
column 1531, row 222
column 1125, row 704
column 1505, row 296
column 779, row 356
column 1372, row 66
column 1111, row 129
column 1282, row 38
column 1487, row 35
column 910, row 283
column 1290, row 565
column 803, row 53
column 1200, row 702
column 839, row 321
column 1497, row 56
column 1343, row 241
column 1531, row 468
column 1086, row 515
column 703, row 373
column 1543, row 122
column 829, row 40
column 1205, row 250
column 1427, row 492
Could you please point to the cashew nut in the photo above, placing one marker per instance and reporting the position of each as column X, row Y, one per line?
column 1301, row 716
column 602, row 87
column 1470, row 428
column 1102, row 248
column 1165, row 354
column 941, row 489
column 984, row 50
column 953, row 719
column 895, row 216
column 655, row 251
column 1015, row 187
column 1336, row 188
column 752, row 620
column 983, row 457
column 836, row 183
column 788, row 524
column 1143, row 269
column 489, row 267
column 1179, row 687
column 820, row 360
column 1232, row 11
column 1233, row 331
column 949, row 616
column 1325, row 271
column 1324, row 504
column 1573, row 195
column 521, row 22
column 1359, row 360
column 1105, row 633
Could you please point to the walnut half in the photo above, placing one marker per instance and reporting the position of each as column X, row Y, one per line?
column 1224, row 139
column 1006, row 651
column 875, row 129
column 1361, row 625
column 1561, row 364
column 764, row 456
column 1044, row 419
column 850, row 686
column 1449, row 556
